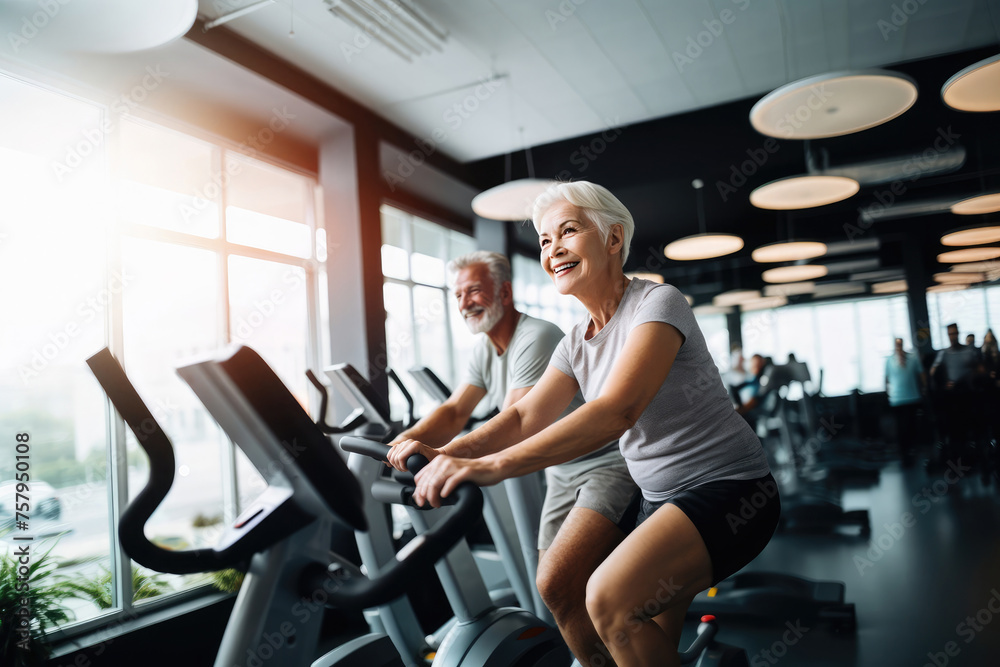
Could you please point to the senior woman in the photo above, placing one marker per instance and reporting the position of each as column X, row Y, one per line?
column 709, row 503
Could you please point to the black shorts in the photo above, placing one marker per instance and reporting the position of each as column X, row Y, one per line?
column 736, row 519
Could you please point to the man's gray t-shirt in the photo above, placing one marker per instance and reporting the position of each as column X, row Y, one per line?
column 521, row 365
column 689, row 434
column 959, row 365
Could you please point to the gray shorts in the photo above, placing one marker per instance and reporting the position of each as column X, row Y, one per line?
column 601, row 484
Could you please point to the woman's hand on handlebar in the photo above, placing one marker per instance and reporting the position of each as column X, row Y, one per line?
column 405, row 449
column 445, row 473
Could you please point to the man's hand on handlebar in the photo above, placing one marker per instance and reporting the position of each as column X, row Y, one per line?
column 442, row 475
column 402, row 450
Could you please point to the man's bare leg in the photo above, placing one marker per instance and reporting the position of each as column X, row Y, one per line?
column 584, row 540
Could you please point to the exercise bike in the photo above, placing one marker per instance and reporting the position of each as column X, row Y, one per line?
column 282, row 538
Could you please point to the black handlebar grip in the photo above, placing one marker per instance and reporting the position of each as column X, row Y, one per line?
column 158, row 448
column 392, row 493
column 706, row 633
column 379, row 452
column 417, row 557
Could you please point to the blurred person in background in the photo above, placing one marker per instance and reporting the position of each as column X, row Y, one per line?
column 905, row 384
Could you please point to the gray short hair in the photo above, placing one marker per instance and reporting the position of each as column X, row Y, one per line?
column 498, row 265
column 597, row 203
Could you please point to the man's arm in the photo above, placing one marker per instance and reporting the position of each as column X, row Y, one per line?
column 514, row 395
column 520, row 419
column 446, row 420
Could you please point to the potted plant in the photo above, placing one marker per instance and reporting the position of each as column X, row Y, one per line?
column 42, row 598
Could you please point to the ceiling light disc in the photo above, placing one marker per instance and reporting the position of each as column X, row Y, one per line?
column 796, row 273
column 975, row 88
column 511, row 201
column 951, row 287
column 890, row 287
column 972, row 236
column 764, row 303
column 978, row 205
column 968, row 255
column 960, row 277
column 788, row 251
column 833, row 104
column 702, row 246
column 797, row 192
column 790, row 289
column 735, row 297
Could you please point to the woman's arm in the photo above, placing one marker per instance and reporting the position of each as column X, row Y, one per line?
column 640, row 371
column 535, row 410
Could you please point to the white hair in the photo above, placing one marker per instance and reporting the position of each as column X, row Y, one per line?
column 498, row 265
column 596, row 203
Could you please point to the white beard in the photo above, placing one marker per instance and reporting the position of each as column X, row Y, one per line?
column 490, row 318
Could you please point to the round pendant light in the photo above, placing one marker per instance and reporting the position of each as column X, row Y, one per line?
column 788, row 251
column 510, row 201
column 989, row 268
column 890, row 287
column 975, row 88
column 797, row 192
column 951, row 287
column 790, row 289
column 703, row 246
column 972, row 236
column 711, row 310
column 979, row 205
column 764, row 303
column 791, row 274
column 833, row 104
column 968, row 255
column 959, row 277
column 735, row 297
column 102, row 26
column 645, row 275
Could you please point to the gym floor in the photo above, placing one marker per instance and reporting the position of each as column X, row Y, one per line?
column 931, row 562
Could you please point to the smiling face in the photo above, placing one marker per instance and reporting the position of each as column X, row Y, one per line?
column 479, row 301
column 572, row 251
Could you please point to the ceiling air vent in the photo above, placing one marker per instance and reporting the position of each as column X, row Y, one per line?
column 398, row 25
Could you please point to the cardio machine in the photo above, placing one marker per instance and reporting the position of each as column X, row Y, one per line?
column 282, row 538
column 525, row 496
column 491, row 636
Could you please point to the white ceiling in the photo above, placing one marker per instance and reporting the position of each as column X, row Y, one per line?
column 572, row 67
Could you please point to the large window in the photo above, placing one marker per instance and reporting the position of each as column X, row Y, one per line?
column 847, row 342
column 422, row 325
column 166, row 247
column 974, row 310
